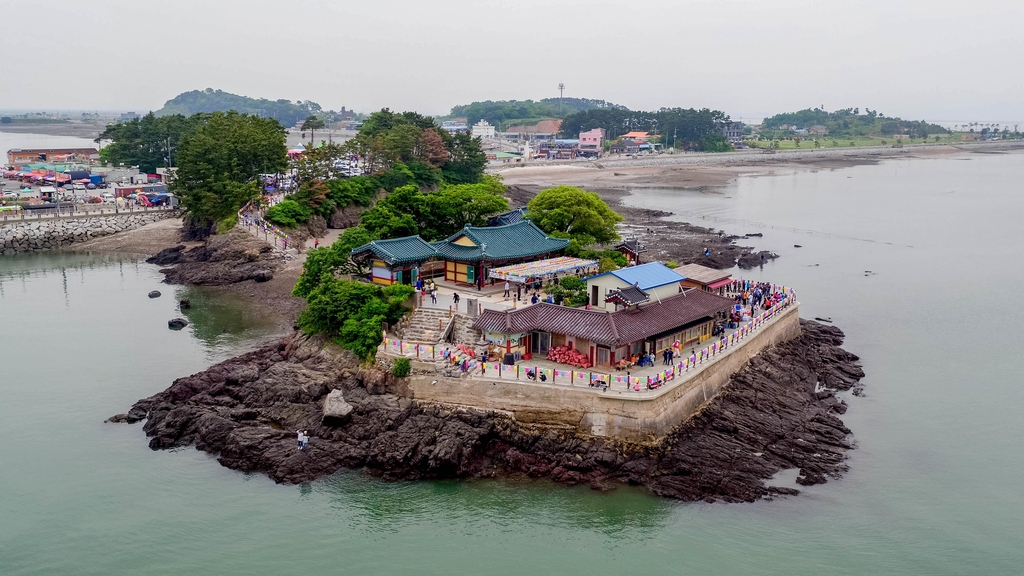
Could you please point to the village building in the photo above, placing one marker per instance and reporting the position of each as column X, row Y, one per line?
column 24, row 156
column 818, row 130
column 590, row 142
column 731, row 130
column 396, row 260
column 631, row 249
column 707, row 279
column 654, row 279
column 606, row 338
column 483, row 129
column 469, row 253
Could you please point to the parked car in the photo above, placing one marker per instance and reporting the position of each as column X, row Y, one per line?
column 107, row 197
column 90, row 186
column 79, row 187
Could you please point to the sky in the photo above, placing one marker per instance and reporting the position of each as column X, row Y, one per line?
column 936, row 60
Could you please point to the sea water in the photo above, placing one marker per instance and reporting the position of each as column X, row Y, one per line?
column 916, row 260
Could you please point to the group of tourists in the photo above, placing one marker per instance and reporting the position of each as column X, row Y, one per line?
column 303, row 439
column 425, row 288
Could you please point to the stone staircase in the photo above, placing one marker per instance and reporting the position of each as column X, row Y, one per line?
column 424, row 326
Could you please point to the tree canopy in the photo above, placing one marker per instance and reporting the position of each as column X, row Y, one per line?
column 219, row 161
column 850, row 122
column 149, row 142
column 678, row 127
column 574, row 213
column 437, row 214
column 387, row 138
column 286, row 112
column 515, row 111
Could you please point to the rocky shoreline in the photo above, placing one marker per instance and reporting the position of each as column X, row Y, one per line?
column 780, row 412
column 667, row 240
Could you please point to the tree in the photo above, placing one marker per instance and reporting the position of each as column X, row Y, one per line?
column 432, row 149
column 148, row 142
column 318, row 163
column 574, row 213
column 571, row 290
column 219, row 161
column 312, row 123
column 466, row 162
column 325, row 263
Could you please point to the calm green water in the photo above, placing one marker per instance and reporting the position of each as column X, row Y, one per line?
column 935, row 486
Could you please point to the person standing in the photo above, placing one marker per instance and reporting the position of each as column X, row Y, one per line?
column 316, row 243
column 507, row 289
column 455, row 299
column 299, row 438
column 433, row 295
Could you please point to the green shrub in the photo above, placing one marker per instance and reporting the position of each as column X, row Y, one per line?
column 672, row 264
column 352, row 313
column 227, row 224
column 288, row 213
column 402, row 368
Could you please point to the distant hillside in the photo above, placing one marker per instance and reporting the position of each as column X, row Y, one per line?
column 285, row 111
column 850, row 122
column 506, row 112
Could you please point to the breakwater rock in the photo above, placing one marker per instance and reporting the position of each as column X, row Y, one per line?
column 779, row 412
column 32, row 235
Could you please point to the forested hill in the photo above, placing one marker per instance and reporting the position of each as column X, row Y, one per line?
column 850, row 122
column 284, row 111
column 507, row 112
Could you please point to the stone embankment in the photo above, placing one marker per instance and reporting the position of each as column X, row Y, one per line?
column 32, row 235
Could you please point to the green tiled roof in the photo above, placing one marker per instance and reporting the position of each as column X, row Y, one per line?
column 398, row 250
column 520, row 240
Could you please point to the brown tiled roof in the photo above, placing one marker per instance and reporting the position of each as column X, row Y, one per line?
column 702, row 274
column 609, row 328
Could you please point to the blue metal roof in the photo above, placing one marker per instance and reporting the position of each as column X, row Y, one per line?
column 646, row 276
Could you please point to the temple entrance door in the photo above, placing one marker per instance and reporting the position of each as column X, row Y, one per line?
column 540, row 342
column 604, row 356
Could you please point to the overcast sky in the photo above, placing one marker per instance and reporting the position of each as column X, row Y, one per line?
column 937, row 60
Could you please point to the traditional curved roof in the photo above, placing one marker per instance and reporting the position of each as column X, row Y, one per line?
column 398, row 250
column 508, row 242
column 628, row 296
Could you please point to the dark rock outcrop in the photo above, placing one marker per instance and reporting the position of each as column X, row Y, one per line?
column 779, row 412
column 167, row 256
column 154, row 294
column 177, row 323
column 224, row 259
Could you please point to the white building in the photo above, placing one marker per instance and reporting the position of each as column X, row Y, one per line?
column 483, row 129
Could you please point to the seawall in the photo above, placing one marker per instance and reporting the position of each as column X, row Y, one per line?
column 615, row 413
column 34, row 235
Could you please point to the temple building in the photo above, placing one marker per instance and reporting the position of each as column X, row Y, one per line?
column 607, row 337
column 472, row 251
column 631, row 249
column 396, row 260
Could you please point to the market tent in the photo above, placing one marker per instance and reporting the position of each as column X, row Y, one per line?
column 545, row 269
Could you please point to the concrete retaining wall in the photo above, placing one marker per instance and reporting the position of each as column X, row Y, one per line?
column 634, row 416
column 52, row 233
